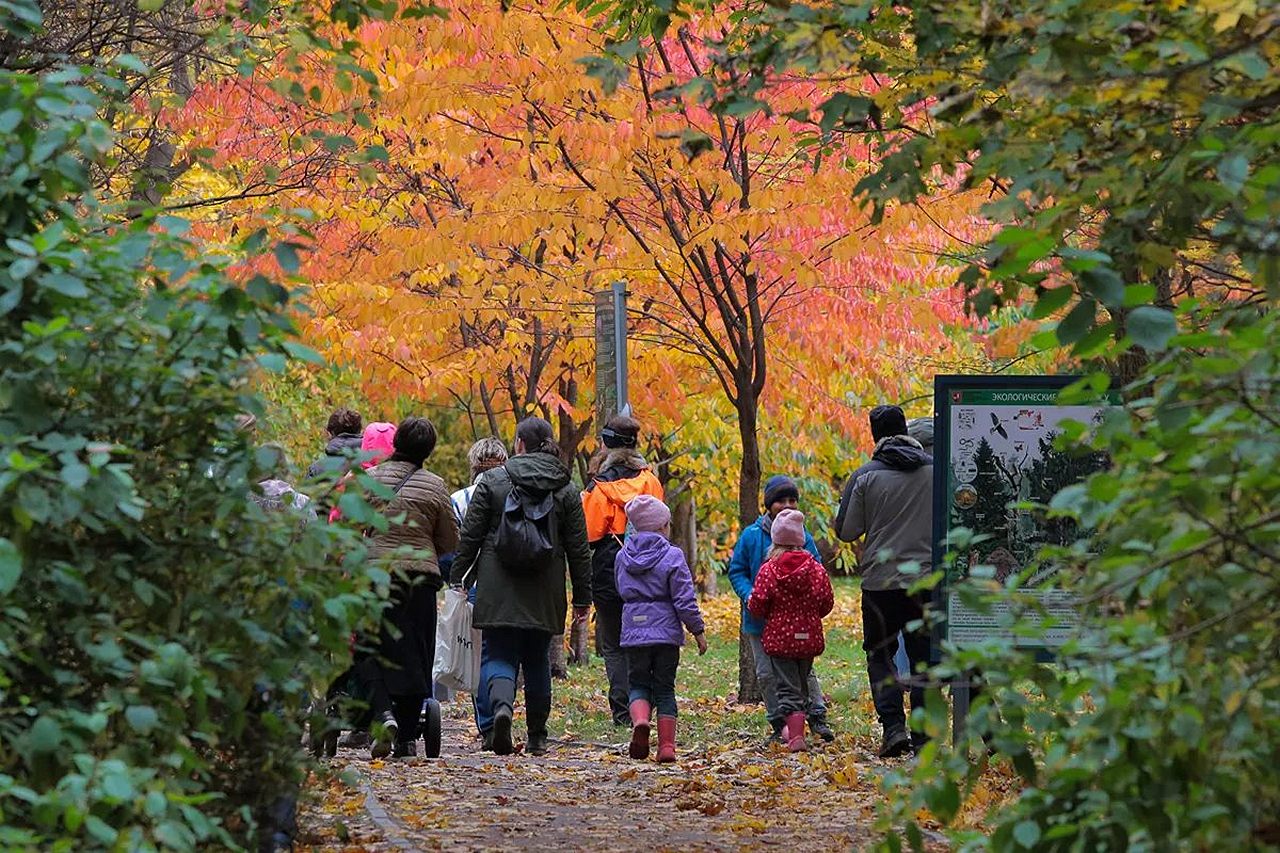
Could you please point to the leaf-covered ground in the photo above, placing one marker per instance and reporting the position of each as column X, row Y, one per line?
column 727, row 791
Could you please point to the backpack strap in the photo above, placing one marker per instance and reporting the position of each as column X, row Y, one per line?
column 368, row 531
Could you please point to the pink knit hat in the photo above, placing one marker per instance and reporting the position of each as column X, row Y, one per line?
column 379, row 439
column 647, row 514
column 788, row 529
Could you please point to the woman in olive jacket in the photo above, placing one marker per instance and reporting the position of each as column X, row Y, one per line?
column 421, row 526
column 519, row 608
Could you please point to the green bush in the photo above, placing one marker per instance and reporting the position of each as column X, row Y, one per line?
column 161, row 634
column 1158, row 727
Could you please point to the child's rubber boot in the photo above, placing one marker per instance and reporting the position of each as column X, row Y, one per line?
column 666, row 739
column 795, row 732
column 639, row 729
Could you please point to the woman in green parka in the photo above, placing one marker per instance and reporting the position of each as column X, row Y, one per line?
column 520, row 606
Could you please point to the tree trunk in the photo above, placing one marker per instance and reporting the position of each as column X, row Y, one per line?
column 748, row 688
column 749, row 470
column 684, row 530
column 748, row 511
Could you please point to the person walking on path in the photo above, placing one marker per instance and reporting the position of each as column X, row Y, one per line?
column 523, row 524
column 791, row 595
column 658, row 601
column 420, row 526
column 622, row 474
column 344, row 439
column 485, row 455
column 889, row 503
column 749, row 554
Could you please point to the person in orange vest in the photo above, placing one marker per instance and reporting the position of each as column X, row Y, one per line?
column 619, row 474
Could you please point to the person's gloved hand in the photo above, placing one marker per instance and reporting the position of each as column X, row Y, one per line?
column 701, row 640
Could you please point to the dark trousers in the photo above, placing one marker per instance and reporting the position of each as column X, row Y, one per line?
column 396, row 677
column 652, row 673
column 507, row 652
column 791, row 680
column 406, row 708
column 885, row 613
column 609, row 644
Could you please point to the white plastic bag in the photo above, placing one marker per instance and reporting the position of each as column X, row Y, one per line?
column 457, row 661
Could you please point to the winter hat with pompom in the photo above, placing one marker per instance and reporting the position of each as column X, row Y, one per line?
column 788, row 529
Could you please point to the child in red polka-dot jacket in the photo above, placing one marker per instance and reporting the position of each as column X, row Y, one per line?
column 792, row 593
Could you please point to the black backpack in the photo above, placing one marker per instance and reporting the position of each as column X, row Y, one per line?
column 526, row 539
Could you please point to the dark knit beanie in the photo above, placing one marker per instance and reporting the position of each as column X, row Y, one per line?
column 886, row 421
column 779, row 487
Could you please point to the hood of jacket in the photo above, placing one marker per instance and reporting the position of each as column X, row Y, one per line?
column 621, row 462
column 793, row 566
column 340, row 445
column 901, row 453
column 537, row 472
column 644, row 552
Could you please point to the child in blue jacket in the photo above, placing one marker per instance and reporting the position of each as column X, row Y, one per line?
column 749, row 554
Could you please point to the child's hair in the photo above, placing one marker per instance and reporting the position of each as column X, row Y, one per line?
column 776, row 550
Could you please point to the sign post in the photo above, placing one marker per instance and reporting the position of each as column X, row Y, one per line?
column 611, row 353
column 994, row 449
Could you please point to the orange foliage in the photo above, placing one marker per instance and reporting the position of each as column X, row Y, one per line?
column 458, row 263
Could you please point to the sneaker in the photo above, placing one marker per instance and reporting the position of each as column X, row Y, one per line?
column 537, row 745
column 896, row 743
column 486, row 744
column 818, row 725
column 405, row 749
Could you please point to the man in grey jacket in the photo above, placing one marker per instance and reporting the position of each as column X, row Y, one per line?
column 889, row 501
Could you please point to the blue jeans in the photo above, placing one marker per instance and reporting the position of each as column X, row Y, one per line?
column 652, row 673
column 506, row 651
column 480, row 698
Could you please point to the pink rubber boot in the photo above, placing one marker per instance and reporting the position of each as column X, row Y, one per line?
column 666, row 739
column 639, row 729
column 795, row 732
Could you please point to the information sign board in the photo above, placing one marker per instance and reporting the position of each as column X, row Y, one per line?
column 994, row 448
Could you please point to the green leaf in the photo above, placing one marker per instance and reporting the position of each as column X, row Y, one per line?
column 1150, row 327
column 10, row 566
column 1051, row 300
column 273, row 361
column 75, row 475
column 96, row 826
column 1026, row 833
column 287, row 256
column 303, row 352
column 1105, row 284
column 693, row 143
column 1233, row 171
column 45, row 735
column 142, row 718
column 1078, row 322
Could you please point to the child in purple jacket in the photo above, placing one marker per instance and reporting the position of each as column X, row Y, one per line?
column 657, row 596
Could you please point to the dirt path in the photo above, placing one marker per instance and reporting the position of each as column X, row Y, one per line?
column 586, row 796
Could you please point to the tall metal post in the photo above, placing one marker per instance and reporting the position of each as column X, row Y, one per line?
column 620, row 346
column 606, row 359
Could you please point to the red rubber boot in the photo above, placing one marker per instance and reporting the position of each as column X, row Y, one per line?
column 666, row 739
column 795, row 732
column 639, row 729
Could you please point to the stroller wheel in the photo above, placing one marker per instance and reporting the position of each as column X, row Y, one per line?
column 431, row 729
